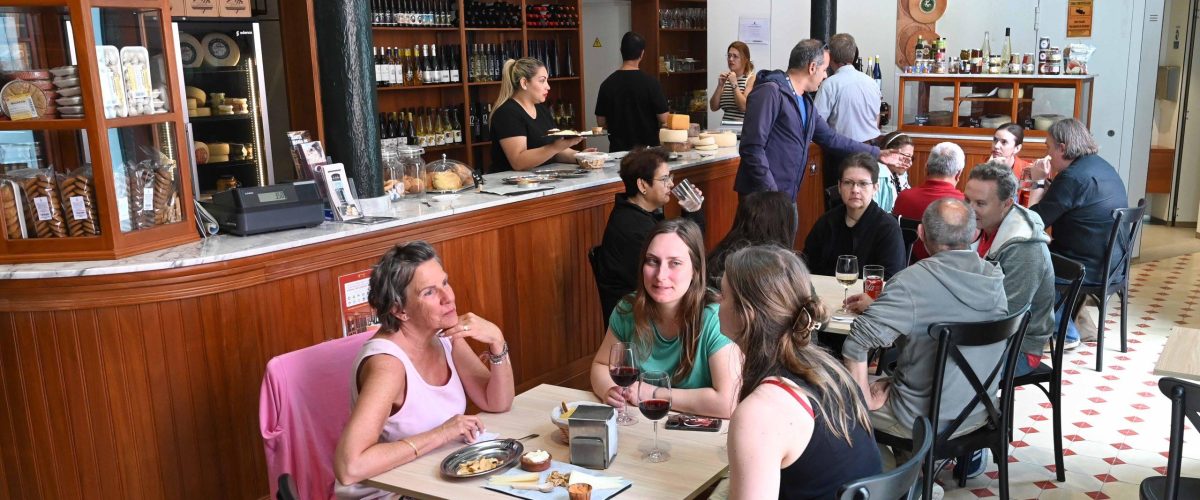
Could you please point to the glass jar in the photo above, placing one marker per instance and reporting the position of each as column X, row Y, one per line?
column 393, row 176
column 449, row 176
column 412, row 168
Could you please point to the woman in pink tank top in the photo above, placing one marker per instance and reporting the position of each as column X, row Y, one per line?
column 412, row 379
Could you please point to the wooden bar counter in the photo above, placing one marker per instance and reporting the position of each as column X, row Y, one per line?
column 140, row 378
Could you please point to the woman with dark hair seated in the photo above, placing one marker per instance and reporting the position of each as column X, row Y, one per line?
column 857, row 227
column 648, row 182
column 765, row 217
column 801, row 428
column 672, row 322
column 412, row 379
column 893, row 178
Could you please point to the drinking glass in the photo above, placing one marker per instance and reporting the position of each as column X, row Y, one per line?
column 656, row 407
column 846, row 273
column 622, row 366
column 873, row 281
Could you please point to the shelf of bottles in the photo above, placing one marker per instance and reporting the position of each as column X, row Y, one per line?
column 681, row 44
column 438, row 65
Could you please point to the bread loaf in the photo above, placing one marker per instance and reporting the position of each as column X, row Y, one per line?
column 446, row 181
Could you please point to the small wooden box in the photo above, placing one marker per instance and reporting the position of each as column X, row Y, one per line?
column 202, row 8
column 234, row 8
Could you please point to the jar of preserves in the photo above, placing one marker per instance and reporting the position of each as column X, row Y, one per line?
column 411, row 168
column 393, row 176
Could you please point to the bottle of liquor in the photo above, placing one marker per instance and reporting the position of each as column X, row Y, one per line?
column 410, row 129
column 379, row 77
column 919, row 51
column 431, row 132
column 877, row 75
column 1006, row 52
column 435, row 68
column 473, row 121
column 456, row 125
column 445, row 60
column 485, row 128
column 570, row 65
column 426, row 66
column 455, row 73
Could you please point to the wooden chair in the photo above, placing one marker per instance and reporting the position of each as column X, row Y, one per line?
column 1185, row 401
column 900, row 482
column 952, row 337
column 1049, row 378
column 1126, row 224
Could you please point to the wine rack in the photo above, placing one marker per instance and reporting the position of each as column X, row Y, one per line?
column 473, row 38
column 676, row 51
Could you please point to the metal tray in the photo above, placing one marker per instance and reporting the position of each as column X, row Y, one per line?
column 567, row 173
column 536, row 178
column 508, row 451
column 449, row 191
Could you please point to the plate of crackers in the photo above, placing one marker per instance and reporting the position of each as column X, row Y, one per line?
column 482, row 458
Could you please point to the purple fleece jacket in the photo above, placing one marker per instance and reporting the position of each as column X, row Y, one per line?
column 774, row 146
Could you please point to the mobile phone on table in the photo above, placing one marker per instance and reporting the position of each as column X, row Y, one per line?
column 685, row 422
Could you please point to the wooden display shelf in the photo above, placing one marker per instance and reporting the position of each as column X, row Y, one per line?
column 479, row 84
column 493, row 29
column 50, row 124
column 662, row 42
column 916, row 89
column 683, row 73
column 134, row 121
column 424, row 86
column 551, row 29
column 221, row 118
column 563, row 78
column 683, row 30
column 420, row 29
column 989, row 99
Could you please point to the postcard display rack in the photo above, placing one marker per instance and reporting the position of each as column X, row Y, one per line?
column 472, row 38
column 90, row 159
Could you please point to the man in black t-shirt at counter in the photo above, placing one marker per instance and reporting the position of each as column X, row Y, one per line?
column 631, row 104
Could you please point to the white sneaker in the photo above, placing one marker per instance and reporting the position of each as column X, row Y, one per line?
column 1070, row 345
column 938, row 492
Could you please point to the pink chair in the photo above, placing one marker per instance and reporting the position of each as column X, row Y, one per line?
column 302, row 407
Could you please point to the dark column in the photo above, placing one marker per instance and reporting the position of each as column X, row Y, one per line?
column 824, row 19
column 348, row 90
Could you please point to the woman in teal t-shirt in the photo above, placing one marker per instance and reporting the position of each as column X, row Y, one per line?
column 672, row 319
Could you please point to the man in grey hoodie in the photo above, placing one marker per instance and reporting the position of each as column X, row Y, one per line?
column 1015, row 237
column 954, row 285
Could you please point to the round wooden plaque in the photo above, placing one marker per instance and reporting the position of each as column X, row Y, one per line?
column 906, row 42
column 926, row 11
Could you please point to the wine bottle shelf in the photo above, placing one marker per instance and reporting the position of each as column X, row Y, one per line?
column 424, row 86
column 414, row 28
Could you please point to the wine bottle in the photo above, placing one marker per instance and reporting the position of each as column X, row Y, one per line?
column 1006, row 52
column 455, row 73
column 473, row 117
column 554, row 58
column 445, row 64
column 379, row 78
column 458, row 131
column 485, row 128
column 877, row 75
column 570, row 66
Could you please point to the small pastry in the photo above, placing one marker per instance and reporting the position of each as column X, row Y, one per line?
column 535, row 461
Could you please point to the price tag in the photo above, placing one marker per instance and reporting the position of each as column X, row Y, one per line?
column 78, row 208
column 148, row 198
column 20, row 107
column 42, row 204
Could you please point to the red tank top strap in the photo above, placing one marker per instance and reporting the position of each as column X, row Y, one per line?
column 794, row 394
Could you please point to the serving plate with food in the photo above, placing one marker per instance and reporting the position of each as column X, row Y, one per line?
column 561, row 133
column 565, row 173
column 557, row 481
column 529, row 180
column 482, row 458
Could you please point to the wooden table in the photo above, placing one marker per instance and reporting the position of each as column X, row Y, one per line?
column 1181, row 355
column 698, row 459
column 830, row 292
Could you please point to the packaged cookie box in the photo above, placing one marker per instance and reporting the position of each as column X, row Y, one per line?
column 233, row 8
column 112, row 83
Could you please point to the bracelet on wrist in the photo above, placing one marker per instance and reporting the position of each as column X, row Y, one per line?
column 496, row 359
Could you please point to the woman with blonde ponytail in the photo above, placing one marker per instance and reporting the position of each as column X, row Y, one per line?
column 800, row 429
column 520, row 120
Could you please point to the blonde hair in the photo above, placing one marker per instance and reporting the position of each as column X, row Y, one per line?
column 514, row 71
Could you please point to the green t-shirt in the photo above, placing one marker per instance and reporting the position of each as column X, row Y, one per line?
column 665, row 354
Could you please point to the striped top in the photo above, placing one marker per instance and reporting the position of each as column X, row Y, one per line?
column 729, row 102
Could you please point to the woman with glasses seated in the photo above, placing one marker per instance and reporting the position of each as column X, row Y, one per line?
column 648, row 182
column 857, row 227
column 673, row 323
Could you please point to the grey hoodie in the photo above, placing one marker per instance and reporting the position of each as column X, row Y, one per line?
column 952, row 286
column 1021, row 247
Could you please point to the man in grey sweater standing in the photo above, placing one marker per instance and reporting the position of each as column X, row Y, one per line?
column 1015, row 237
column 954, row 285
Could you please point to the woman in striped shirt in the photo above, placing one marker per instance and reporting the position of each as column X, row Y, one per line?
column 734, row 85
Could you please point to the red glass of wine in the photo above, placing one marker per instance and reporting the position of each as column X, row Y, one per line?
column 655, row 407
column 622, row 367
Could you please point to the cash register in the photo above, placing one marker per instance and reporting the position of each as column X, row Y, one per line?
column 254, row 210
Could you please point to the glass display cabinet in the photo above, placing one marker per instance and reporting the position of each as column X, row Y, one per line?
column 90, row 159
column 976, row 104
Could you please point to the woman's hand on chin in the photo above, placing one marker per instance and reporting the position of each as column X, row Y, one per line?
column 471, row 326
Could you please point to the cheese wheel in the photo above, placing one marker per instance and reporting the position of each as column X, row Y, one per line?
column 709, row 147
column 218, row 158
column 666, row 135
column 201, row 112
column 191, row 102
column 200, row 96
column 678, row 122
column 702, row 141
column 725, row 140
column 219, row 148
column 201, row 152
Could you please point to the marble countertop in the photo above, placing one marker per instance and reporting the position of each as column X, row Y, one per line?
column 409, row 211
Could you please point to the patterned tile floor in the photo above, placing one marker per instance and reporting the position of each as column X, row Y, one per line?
column 1116, row 422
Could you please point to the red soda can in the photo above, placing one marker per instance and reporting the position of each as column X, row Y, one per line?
column 873, row 281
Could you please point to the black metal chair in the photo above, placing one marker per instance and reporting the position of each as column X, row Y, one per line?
column 908, row 229
column 952, row 338
column 1126, row 224
column 900, row 482
column 287, row 488
column 1185, row 400
column 1048, row 378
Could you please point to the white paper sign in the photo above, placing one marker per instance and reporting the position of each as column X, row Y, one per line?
column 42, row 204
column 78, row 208
column 148, row 198
column 754, row 30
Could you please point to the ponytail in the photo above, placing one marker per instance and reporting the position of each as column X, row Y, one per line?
column 511, row 75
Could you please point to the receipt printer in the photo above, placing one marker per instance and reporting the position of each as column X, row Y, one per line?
column 253, row 210
column 593, row 431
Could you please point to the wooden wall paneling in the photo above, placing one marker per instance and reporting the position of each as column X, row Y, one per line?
column 96, row 404
column 175, row 381
column 11, row 474
column 29, row 425
column 163, row 431
column 197, row 392
column 78, row 473
column 810, row 199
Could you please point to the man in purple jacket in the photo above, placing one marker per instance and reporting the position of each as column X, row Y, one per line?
column 781, row 121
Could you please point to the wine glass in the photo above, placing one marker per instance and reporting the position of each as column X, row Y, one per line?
column 622, row 366
column 846, row 273
column 656, row 407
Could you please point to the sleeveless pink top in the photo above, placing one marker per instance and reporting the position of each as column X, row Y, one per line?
column 425, row 406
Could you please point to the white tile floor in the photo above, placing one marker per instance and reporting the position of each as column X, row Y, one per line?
column 1115, row 422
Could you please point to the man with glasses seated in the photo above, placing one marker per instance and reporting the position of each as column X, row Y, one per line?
column 857, row 227
column 781, row 121
column 648, row 182
column 945, row 165
column 953, row 285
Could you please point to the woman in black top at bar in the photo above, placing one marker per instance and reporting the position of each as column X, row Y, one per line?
column 520, row 120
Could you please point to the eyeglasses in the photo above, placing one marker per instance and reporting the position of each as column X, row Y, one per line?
column 668, row 179
column 849, row 184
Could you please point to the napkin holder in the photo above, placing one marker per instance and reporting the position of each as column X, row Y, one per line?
column 593, row 431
